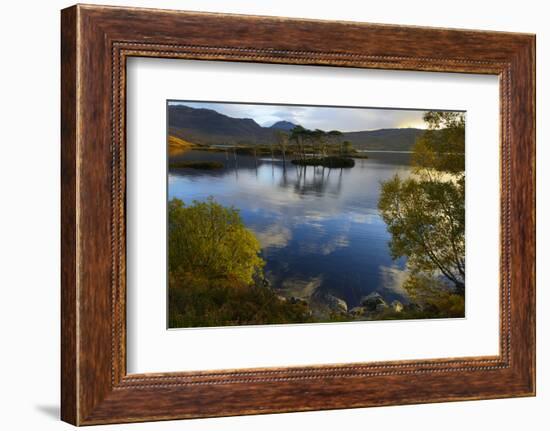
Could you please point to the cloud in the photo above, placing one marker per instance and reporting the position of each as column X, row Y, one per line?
column 393, row 278
column 364, row 218
column 300, row 288
column 336, row 243
column 274, row 236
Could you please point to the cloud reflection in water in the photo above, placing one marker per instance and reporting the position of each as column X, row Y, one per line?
column 318, row 227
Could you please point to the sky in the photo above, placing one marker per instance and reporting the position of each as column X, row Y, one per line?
column 316, row 117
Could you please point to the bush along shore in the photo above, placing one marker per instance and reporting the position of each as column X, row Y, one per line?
column 327, row 307
column 216, row 272
column 216, row 278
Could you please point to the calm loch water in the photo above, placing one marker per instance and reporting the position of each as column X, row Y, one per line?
column 319, row 228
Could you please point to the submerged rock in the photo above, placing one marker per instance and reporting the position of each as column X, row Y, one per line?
column 412, row 306
column 397, row 306
column 323, row 302
column 303, row 289
column 294, row 300
column 335, row 303
column 358, row 311
column 373, row 302
column 381, row 307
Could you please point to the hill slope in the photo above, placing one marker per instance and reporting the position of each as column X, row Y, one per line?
column 384, row 139
column 206, row 126
column 286, row 126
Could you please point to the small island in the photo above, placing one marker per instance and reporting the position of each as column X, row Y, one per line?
column 327, row 162
column 300, row 146
column 208, row 165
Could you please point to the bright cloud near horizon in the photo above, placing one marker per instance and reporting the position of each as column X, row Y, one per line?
column 318, row 117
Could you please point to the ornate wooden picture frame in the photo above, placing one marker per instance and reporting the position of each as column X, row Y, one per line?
column 96, row 41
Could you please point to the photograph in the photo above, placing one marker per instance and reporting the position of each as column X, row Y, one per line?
column 288, row 214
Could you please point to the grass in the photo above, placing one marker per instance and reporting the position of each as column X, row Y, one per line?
column 177, row 145
column 197, row 165
column 196, row 301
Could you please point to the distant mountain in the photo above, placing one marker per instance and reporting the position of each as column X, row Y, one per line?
column 286, row 126
column 206, row 126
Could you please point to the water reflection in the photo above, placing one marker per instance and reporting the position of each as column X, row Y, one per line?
column 319, row 228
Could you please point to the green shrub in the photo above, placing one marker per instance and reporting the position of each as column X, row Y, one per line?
column 208, row 239
column 198, row 301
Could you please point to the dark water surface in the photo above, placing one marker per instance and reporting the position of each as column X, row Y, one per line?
column 319, row 228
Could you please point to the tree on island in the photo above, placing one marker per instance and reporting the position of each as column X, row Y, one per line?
column 298, row 134
column 282, row 140
column 348, row 147
column 335, row 137
column 317, row 141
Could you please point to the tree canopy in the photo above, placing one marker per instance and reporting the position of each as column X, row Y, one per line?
column 198, row 301
column 441, row 147
column 209, row 239
column 215, row 271
column 318, row 140
column 425, row 213
column 426, row 221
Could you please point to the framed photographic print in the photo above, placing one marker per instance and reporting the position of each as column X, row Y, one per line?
column 265, row 215
column 290, row 223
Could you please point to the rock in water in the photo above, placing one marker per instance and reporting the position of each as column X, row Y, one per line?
column 323, row 300
column 381, row 307
column 358, row 311
column 397, row 306
column 373, row 302
column 337, row 304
